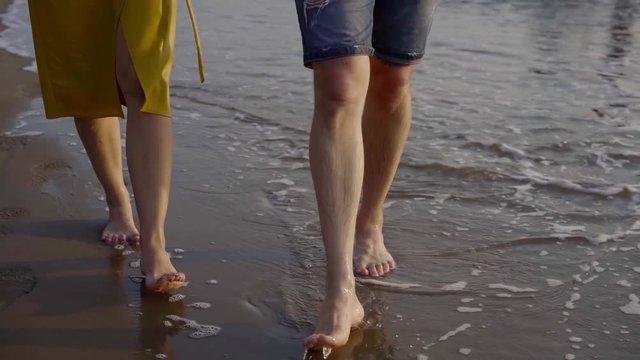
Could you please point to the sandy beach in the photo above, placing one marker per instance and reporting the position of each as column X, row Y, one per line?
column 71, row 311
column 514, row 218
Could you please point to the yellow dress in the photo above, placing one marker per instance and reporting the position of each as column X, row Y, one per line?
column 75, row 43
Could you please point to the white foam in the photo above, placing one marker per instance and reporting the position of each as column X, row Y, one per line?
column 460, row 285
column 624, row 283
column 134, row 264
column 604, row 190
column 283, row 181
column 464, row 351
column 464, row 309
column 422, row 357
column 572, row 299
column 633, row 307
column 504, row 295
column 544, row 253
column 200, row 305
column 388, row 283
column 178, row 251
column 637, row 269
column 590, row 279
column 585, row 267
column 554, row 282
column 575, row 339
column 458, row 330
column 603, row 238
column 569, row 357
column 212, row 282
column 511, row 288
column 23, row 133
column 476, row 272
column 160, row 356
column 176, row 297
column 567, row 229
column 200, row 330
column 17, row 38
column 467, row 300
column 137, row 279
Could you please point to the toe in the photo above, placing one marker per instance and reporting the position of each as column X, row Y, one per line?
column 108, row 238
column 325, row 341
column 392, row 264
column 360, row 269
column 385, row 268
column 134, row 238
column 373, row 272
column 311, row 341
column 379, row 269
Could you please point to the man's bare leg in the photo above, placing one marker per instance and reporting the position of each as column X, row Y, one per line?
column 101, row 139
column 385, row 127
column 336, row 157
column 149, row 154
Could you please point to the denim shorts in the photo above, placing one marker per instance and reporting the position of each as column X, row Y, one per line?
column 394, row 30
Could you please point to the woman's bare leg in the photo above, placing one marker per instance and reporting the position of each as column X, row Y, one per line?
column 101, row 139
column 149, row 155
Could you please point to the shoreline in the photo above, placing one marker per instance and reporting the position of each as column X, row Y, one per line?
column 64, row 294
column 20, row 86
column 59, row 298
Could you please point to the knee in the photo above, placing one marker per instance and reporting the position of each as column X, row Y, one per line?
column 340, row 88
column 341, row 82
column 390, row 84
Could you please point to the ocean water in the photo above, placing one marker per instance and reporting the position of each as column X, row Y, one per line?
column 515, row 214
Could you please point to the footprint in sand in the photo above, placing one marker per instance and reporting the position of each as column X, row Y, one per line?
column 47, row 171
column 14, row 213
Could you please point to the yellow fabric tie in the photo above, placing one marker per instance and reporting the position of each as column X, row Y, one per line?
column 196, row 36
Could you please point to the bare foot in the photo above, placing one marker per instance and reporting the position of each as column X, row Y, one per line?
column 371, row 257
column 338, row 315
column 160, row 275
column 121, row 228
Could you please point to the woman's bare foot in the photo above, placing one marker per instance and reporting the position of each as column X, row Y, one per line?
column 338, row 315
column 371, row 257
column 120, row 229
column 160, row 275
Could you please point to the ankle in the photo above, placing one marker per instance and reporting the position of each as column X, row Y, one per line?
column 153, row 242
column 341, row 288
column 369, row 223
column 118, row 201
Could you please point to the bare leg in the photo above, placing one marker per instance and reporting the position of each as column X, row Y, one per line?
column 335, row 152
column 386, row 123
column 149, row 154
column 101, row 139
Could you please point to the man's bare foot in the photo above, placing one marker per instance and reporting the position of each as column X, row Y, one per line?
column 160, row 275
column 338, row 315
column 120, row 229
column 371, row 257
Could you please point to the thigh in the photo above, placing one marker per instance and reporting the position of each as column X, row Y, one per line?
column 400, row 29
column 335, row 28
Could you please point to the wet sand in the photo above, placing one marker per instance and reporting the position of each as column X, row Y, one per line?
column 514, row 217
column 59, row 293
column 64, row 295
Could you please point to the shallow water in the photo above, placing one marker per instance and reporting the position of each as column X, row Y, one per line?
column 520, row 185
